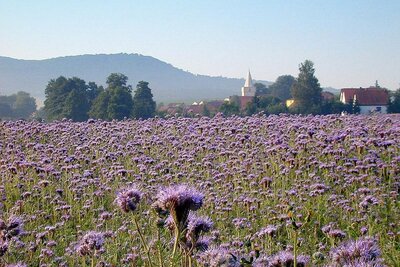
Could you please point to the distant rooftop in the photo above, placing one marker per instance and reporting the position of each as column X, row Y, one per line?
column 365, row 96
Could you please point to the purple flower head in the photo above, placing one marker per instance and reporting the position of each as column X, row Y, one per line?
column 179, row 196
column 286, row 258
column 337, row 233
column 19, row 264
column 203, row 243
column 270, row 230
column 217, row 257
column 364, row 250
column 368, row 201
column 178, row 201
column 14, row 227
column 196, row 226
column 3, row 225
column 127, row 199
column 3, row 247
column 90, row 242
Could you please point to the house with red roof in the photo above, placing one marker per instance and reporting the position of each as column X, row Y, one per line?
column 370, row 100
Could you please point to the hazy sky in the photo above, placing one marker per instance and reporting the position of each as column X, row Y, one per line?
column 352, row 43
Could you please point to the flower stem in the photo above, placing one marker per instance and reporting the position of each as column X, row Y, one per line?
column 295, row 249
column 175, row 243
column 143, row 241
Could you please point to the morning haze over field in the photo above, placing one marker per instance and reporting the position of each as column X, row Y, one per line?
column 213, row 133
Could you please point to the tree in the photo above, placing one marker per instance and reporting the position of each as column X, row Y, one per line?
column 306, row 90
column 205, row 112
column 265, row 104
column 24, row 105
column 17, row 106
column 282, row 86
column 143, row 104
column 5, row 111
column 76, row 105
column 99, row 107
column 93, row 91
column 334, row 106
column 66, row 98
column 394, row 105
column 229, row 108
column 120, row 104
column 114, row 102
column 118, row 80
column 251, row 107
column 262, row 89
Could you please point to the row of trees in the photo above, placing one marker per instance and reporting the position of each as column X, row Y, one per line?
column 305, row 91
column 73, row 99
column 17, row 106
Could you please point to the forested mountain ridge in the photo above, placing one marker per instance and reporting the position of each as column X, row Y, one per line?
column 168, row 83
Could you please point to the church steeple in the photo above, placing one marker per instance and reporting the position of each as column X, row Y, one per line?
column 248, row 88
column 249, row 81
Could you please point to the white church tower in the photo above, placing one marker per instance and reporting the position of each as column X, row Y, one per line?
column 248, row 89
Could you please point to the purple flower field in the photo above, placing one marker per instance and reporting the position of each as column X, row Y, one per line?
column 255, row 191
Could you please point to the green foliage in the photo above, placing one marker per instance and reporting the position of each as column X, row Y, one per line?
column 394, row 105
column 76, row 106
column 24, row 105
column 206, row 112
column 229, row 108
column 93, row 91
column 251, row 107
column 5, row 107
column 144, row 106
column 114, row 102
column 265, row 104
column 5, row 111
column 334, row 106
column 118, row 80
column 39, row 115
column 235, row 99
column 306, row 90
column 17, row 106
column 99, row 106
column 262, row 89
column 282, row 86
column 69, row 98
column 120, row 104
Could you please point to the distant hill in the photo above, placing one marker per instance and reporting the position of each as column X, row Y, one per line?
column 331, row 90
column 168, row 83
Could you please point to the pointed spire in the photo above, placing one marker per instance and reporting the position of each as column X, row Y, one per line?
column 249, row 82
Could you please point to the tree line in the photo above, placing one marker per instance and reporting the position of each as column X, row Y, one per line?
column 74, row 99
column 305, row 91
column 17, row 106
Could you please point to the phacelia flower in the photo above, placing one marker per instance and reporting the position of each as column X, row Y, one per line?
column 127, row 199
column 178, row 201
column 89, row 243
column 364, row 250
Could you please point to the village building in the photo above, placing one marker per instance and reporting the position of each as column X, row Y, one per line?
column 248, row 93
column 212, row 106
column 370, row 100
column 248, row 89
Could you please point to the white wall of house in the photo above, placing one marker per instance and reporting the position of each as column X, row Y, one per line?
column 375, row 109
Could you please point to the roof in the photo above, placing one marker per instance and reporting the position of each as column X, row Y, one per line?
column 197, row 109
column 365, row 96
column 249, row 81
column 214, row 105
column 327, row 95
